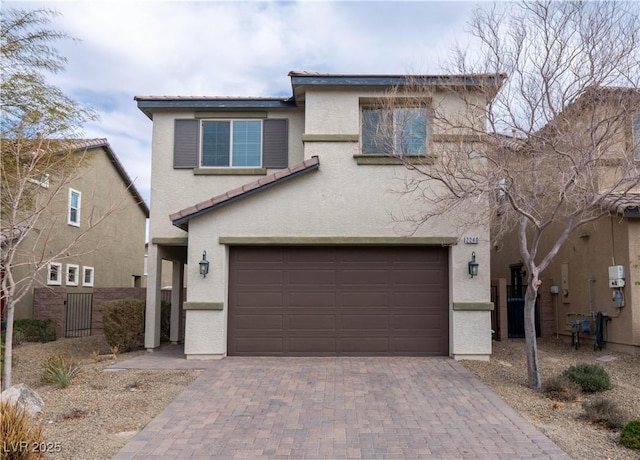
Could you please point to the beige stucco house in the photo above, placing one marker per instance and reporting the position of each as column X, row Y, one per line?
column 283, row 214
column 107, row 254
column 580, row 281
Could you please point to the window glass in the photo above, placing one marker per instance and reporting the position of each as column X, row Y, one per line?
column 87, row 276
column 247, row 137
column 72, row 275
column 215, row 143
column 401, row 131
column 54, row 273
column 232, row 143
column 74, row 207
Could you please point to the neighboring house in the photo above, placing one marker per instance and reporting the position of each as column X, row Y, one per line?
column 287, row 207
column 577, row 284
column 109, row 255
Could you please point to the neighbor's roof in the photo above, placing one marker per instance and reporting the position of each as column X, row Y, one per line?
column 625, row 204
column 300, row 80
column 89, row 144
column 181, row 218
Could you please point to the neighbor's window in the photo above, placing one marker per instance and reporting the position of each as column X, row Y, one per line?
column 87, row 276
column 73, row 272
column 399, row 131
column 231, row 143
column 54, row 273
column 74, row 208
column 636, row 135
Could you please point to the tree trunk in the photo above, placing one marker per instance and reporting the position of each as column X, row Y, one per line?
column 530, row 335
column 8, row 345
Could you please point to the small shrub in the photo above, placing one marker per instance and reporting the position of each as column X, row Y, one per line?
column 123, row 322
column 590, row 377
column 95, row 356
column 35, row 330
column 561, row 388
column 604, row 411
column 60, row 369
column 16, row 429
column 630, row 436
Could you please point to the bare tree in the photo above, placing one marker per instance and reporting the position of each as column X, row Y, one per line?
column 39, row 159
column 541, row 136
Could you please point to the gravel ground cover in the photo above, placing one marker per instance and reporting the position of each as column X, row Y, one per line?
column 564, row 423
column 101, row 410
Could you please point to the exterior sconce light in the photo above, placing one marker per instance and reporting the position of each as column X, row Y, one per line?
column 204, row 265
column 473, row 265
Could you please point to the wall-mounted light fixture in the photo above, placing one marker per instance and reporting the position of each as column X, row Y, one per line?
column 204, row 264
column 473, row 265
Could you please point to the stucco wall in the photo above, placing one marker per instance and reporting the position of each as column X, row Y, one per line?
column 589, row 252
column 114, row 247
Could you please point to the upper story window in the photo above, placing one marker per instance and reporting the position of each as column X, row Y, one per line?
column 223, row 144
column 232, row 143
column 399, row 131
column 73, row 217
column 636, row 135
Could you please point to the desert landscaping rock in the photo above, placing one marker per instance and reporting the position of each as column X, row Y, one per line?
column 24, row 397
column 98, row 413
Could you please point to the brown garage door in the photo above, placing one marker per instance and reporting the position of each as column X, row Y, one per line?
column 302, row 301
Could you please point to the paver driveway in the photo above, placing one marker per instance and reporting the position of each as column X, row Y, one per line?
column 339, row 408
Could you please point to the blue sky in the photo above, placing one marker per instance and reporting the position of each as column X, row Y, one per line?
column 130, row 48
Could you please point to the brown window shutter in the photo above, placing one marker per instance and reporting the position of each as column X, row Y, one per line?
column 185, row 144
column 275, row 143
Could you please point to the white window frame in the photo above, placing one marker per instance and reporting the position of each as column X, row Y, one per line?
column 394, row 137
column 91, row 270
column 75, row 223
column 72, row 269
column 231, row 121
column 58, row 280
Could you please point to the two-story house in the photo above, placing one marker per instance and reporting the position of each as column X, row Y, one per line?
column 282, row 210
column 92, row 231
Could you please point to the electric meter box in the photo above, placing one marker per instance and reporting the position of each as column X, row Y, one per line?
column 616, row 276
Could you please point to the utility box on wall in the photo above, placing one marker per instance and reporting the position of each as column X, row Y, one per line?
column 616, row 276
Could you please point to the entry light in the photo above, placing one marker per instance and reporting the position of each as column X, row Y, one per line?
column 204, row 264
column 473, row 265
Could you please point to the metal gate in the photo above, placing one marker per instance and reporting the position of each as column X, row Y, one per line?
column 78, row 314
column 515, row 312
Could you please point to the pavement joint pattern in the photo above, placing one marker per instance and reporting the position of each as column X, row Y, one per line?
column 338, row 408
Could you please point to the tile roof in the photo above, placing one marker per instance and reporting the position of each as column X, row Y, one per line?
column 180, row 219
column 621, row 203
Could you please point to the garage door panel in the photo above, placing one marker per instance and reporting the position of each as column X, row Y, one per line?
column 312, row 344
column 304, row 299
column 259, row 345
column 365, row 321
column 259, row 299
column 311, row 322
column 254, row 322
column 364, row 276
column 364, row 299
column 311, row 277
column 255, row 277
column 338, row 301
column 359, row 344
column 416, row 322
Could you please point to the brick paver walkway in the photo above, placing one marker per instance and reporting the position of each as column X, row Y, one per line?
column 339, row 408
